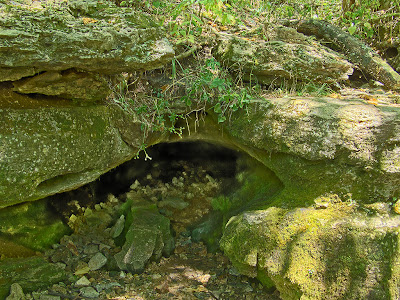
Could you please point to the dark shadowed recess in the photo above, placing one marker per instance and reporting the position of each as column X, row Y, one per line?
column 167, row 160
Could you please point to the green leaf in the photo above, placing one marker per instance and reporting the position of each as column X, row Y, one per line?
column 191, row 39
column 217, row 109
column 198, row 20
column 173, row 69
column 221, row 118
column 352, row 29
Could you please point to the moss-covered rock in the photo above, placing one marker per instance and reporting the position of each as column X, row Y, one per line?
column 30, row 273
column 44, row 151
column 319, row 145
column 147, row 236
column 88, row 35
column 309, row 253
column 31, row 225
column 288, row 55
column 68, row 84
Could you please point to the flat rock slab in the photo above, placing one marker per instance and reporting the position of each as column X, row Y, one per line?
column 87, row 35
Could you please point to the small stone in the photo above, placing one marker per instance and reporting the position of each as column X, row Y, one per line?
column 89, row 292
column 83, row 281
column 111, row 198
column 16, row 292
column 117, row 229
column 88, row 212
column 97, row 261
column 134, row 185
column 104, row 246
column 156, row 276
column 91, row 249
column 82, row 268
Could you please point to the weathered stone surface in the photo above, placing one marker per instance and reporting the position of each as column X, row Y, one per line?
column 16, row 292
column 97, row 261
column 319, row 145
column 70, row 84
column 148, row 237
column 44, row 151
column 88, row 35
column 287, row 56
column 30, row 273
column 333, row 253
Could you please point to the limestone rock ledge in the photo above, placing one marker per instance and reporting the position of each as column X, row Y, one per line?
column 44, row 151
column 288, row 56
column 319, row 145
column 87, row 36
column 310, row 253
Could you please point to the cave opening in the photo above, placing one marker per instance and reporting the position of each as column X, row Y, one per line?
column 162, row 217
column 196, row 184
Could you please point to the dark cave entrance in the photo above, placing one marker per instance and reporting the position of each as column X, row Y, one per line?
column 197, row 185
column 193, row 187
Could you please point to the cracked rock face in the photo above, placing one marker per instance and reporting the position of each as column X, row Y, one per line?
column 288, row 55
column 44, row 151
column 88, row 35
column 77, row 44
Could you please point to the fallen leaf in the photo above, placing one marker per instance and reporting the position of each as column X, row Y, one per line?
column 373, row 101
column 88, row 20
column 336, row 96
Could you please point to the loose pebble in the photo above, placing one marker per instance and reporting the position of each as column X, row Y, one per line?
column 97, row 261
column 83, row 281
column 89, row 292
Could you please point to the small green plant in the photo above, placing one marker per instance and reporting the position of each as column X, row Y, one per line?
column 153, row 109
column 222, row 204
column 214, row 87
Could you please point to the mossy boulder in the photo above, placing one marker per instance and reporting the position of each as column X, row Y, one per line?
column 31, row 274
column 286, row 56
column 334, row 252
column 47, row 150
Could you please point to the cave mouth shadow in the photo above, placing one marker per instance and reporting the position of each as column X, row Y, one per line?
column 168, row 160
column 228, row 182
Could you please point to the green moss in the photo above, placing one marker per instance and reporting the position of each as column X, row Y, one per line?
column 31, row 273
column 32, row 225
column 328, row 253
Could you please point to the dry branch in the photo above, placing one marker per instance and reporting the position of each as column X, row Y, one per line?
column 355, row 50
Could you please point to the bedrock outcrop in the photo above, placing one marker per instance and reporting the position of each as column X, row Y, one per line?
column 330, row 251
column 47, row 150
column 87, row 36
column 318, row 145
column 286, row 56
column 313, row 145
